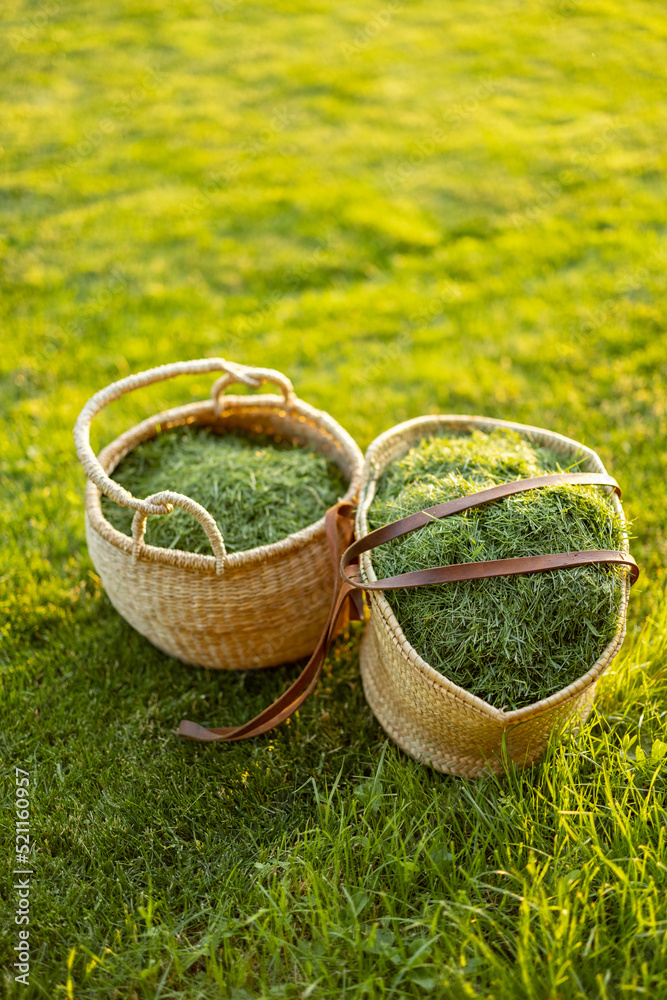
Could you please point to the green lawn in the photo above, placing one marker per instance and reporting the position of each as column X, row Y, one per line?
column 409, row 208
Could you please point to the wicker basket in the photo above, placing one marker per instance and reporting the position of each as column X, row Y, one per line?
column 427, row 715
column 227, row 611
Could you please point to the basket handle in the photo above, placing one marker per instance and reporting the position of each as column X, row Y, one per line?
column 169, row 499
column 247, row 375
column 253, row 377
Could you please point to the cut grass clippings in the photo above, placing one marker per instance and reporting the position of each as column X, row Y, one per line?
column 258, row 489
column 510, row 640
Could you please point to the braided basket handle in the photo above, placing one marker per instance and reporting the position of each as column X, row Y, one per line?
column 253, row 377
column 200, row 513
column 247, row 375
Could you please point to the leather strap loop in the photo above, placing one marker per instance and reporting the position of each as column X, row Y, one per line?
column 339, row 524
column 520, row 566
column 491, row 568
column 407, row 524
column 347, row 603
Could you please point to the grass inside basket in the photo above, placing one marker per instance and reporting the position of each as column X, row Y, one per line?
column 258, row 489
column 509, row 640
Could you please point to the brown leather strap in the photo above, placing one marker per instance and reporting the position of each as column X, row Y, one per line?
column 491, row 568
column 499, row 567
column 339, row 523
column 346, row 601
column 407, row 524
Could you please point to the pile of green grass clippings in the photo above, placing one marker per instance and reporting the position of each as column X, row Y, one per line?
column 258, row 489
column 508, row 640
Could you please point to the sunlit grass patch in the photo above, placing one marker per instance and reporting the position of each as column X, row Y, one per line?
column 408, row 208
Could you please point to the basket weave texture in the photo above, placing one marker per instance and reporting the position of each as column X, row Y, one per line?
column 426, row 714
column 226, row 610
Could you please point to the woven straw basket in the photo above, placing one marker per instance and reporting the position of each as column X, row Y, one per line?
column 427, row 715
column 226, row 610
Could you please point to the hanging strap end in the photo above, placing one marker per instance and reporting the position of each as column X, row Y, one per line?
column 191, row 731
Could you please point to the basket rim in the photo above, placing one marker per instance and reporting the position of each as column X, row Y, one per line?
column 198, row 412
column 407, row 434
